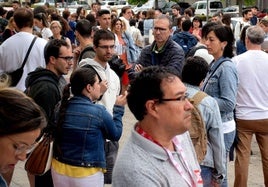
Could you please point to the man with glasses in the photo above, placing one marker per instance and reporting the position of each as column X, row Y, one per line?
column 163, row 51
column 159, row 151
column 104, row 46
column 43, row 86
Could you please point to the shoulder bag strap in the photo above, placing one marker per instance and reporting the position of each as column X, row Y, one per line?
column 212, row 74
column 198, row 97
column 28, row 52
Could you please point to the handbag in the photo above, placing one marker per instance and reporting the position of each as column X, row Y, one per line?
column 17, row 74
column 39, row 161
column 117, row 65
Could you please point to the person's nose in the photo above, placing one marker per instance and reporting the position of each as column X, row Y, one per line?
column 188, row 105
column 22, row 156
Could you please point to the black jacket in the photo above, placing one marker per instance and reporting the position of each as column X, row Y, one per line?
column 42, row 86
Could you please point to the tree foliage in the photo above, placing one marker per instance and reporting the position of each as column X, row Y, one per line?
column 137, row 2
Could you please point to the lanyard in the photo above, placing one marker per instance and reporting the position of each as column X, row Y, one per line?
column 181, row 170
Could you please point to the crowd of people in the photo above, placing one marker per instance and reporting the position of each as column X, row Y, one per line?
column 168, row 60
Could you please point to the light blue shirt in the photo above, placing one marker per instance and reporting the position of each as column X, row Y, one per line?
column 209, row 110
column 222, row 86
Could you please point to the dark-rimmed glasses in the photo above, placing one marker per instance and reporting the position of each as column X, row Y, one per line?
column 181, row 98
column 67, row 58
column 160, row 29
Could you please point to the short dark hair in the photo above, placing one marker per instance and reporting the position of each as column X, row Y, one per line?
column 132, row 22
column 52, row 48
column 84, row 28
column 159, row 9
column 186, row 25
column 102, row 12
column 102, row 34
column 194, row 70
column 16, row 2
column 197, row 18
column 246, row 11
column 23, row 17
column 147, row 86
column 189, row 11
column 176, row 6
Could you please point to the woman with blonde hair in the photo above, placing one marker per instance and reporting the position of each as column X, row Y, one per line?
column 56, row 28
column 126, row 48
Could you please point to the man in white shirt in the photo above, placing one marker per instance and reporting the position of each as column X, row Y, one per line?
column 247, row 15
column 252, row 106
column 14, row 49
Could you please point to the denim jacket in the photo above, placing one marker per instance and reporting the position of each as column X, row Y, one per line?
column 222, row 86
column 84, row 130
column 2, row 182
column 209, row 110
column 132, row 53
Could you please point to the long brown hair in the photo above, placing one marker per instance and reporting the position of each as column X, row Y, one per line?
column 19, row 113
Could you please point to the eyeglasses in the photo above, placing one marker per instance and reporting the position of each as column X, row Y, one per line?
column 181, row 98
column 22, row 148
column 107, row 47
column 159, row 29
column 54, row 27
column 67, row 58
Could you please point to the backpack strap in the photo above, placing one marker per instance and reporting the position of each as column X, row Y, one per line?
column 204, row 86
column 198, row 97
column 88, row 48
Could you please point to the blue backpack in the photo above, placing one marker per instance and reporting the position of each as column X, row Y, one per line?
column 185, row 40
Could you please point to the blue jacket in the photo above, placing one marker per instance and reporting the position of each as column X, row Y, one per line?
column 171, row 56
column 185, row 39
column 131, row 50
column 84, row 130
column 240, row 47
column 222, row 86
column 209, row 110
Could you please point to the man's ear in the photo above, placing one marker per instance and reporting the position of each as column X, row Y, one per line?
column 89, row 88
column 52, row 60
column 152, row 108
column 94, row 47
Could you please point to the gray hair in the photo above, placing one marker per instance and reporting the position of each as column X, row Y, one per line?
column 165, row 17
column 255, row 34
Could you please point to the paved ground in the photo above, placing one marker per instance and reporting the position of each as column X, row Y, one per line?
column 255, row 169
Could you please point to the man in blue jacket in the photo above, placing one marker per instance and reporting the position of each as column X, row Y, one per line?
column 163, row 51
